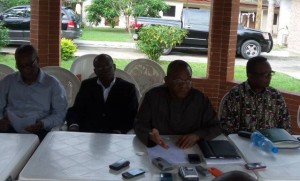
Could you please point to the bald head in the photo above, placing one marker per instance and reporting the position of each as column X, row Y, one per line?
column 104, row 68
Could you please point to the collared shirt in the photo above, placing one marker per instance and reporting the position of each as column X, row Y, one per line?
column 46, row 98
column 106, row 90
column 191, row 115
column 244, row 109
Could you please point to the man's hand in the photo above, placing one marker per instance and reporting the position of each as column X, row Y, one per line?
column 155, row 137
column 187, row 141
column 4, row 124
column 35, row 128
column 73, row 128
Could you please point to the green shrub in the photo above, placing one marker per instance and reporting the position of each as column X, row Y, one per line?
column 154, row 39
column 3, row 36
column 68, row 48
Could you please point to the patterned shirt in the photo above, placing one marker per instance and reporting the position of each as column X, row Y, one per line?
column 246, row 110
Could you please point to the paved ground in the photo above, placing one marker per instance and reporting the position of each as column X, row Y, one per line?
column 282, row 60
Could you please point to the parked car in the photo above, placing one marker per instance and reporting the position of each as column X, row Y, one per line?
column 17, row 20
column 250, row 42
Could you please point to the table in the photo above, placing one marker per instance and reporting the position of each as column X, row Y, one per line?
column 86, row 156
column 282, row 166
column 15, row 150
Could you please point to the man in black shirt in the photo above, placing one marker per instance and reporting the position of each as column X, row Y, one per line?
column 176, row 108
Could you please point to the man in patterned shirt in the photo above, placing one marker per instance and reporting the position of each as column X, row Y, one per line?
column 253, row 104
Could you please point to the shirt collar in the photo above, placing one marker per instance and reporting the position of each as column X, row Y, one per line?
column 249, row 89
column 40, row 78
column 109, row 87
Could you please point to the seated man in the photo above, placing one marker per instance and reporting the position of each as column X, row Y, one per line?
column 253, row 104
column 176, row 108
column 235, row 175
column 31, row 101
column 104, row 104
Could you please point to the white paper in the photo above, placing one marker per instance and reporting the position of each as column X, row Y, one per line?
column 19, row 123
column 173, row 155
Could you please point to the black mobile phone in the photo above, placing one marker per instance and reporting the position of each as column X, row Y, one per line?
column 202, row 170
column 133, row 173
column 119, row 164
column 166, row 177
column 194, row 158
column 252, row 166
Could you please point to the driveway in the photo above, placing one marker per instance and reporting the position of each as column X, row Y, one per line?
column 283, row 61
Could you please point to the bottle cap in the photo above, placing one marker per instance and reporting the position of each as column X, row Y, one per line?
column 275, row 150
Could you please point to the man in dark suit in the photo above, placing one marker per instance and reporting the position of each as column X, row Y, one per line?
column 104, row 104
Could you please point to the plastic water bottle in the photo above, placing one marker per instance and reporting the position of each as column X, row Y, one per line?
column 263, row 143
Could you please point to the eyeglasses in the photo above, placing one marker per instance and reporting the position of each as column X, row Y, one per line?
column 107, row 67
column 30, row 66
column 181, row 82
column 266, row 75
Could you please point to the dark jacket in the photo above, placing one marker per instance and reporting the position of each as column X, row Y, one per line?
column 92, row 114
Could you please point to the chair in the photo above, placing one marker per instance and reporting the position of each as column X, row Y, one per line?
column 221, row 105
column 70, row 82
column 5, row 70
column 83, row 67
column 125, row 76
column 146, row 73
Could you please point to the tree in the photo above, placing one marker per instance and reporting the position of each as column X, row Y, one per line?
column 108, row 9
column 10, row 3
column 149, row 8
column 3, row 36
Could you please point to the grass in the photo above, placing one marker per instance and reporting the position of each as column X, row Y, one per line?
column 280, row 81
column 105, row 34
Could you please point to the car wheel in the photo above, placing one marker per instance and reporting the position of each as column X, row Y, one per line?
column 250, row 48
column 167, row 51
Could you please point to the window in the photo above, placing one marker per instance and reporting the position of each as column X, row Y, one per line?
column 275, row 19
column 170, row 12
column 15, row 13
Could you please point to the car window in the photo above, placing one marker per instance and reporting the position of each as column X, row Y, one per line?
column 64, row 16
column 27, row 13
column 14, row 13
column 71, row 13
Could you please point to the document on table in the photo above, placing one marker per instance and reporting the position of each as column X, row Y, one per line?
column 174, row 155
column 19, row 123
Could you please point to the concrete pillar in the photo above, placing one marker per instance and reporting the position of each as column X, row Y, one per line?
column 270, row 19
column 284, row 22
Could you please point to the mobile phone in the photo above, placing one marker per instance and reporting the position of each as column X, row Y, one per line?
column 214, row 171
column 203, row 171
column 133, row 173
column 194, row 158
column 162, row 164
column 166, row 177
column 253, row 166
column 118, row 165
column 188, row 173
